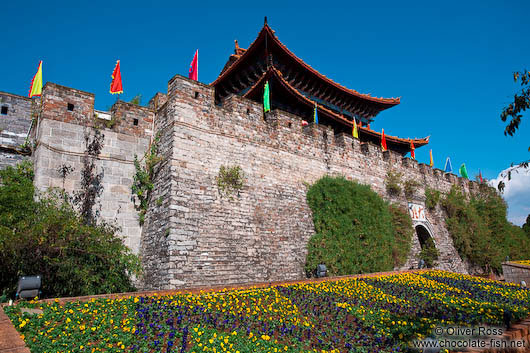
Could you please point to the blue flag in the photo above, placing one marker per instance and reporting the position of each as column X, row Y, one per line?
column 315, row 115
column 448, row 167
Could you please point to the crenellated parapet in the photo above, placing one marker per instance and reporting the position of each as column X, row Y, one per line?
column 244, row 118
column 66, row 104
column 132, row 119
column 157, row 101
column 73, row 106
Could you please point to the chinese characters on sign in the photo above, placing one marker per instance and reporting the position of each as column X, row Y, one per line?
column 417, row 212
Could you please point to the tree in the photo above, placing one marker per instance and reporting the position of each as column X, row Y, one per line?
column 16, row 194
column 521, row 102
column 526, row 226
column 514, row 112
column 481, row 233
column 47, row 236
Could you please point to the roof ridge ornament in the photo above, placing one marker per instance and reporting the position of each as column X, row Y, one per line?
column 265, row 21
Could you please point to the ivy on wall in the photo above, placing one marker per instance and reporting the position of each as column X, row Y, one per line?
column 356, row 231
column 480, row 230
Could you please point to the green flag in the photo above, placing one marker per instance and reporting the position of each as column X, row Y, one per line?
column 266, row 98
column 463, row 171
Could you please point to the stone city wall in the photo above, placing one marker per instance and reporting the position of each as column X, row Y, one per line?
column 194, row 236
column 67, row 115
column 516, row 273
column 15, row 122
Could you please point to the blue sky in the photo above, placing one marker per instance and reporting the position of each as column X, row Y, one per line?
column 451, row 62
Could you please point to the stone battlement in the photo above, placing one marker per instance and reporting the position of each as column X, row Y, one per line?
column 74, row 106
column 283, row 128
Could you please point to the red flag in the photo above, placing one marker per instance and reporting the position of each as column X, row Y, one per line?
column 412, row 154
column 480, row 176
column 115, row 85
column 383, row 141
column 194, row 67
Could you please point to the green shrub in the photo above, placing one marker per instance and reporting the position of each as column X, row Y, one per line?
column 480, row 230
column 49, row 237
column 393, row 183
column 230, row 180
column 432, row 197
column 429, row 253
column 354, row 230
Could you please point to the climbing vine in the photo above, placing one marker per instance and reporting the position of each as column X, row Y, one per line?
column 91, row 183
column 142, row 186
column 356, row 230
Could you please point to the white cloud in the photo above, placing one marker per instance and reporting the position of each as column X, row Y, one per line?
column 516, row 194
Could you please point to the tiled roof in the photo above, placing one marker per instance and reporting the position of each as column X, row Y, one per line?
column 322, row 109
column 267, row 31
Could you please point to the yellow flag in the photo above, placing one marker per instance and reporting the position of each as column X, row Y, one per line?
column 36, row 84
column 354, row 132
column 432, row 163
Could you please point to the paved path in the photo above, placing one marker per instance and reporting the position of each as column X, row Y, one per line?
column 10, row 341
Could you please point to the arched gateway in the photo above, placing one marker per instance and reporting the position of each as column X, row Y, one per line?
column 427, row 251
column 424, row 233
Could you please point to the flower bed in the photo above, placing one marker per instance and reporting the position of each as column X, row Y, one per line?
column 522, row 262
column 378, row 314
